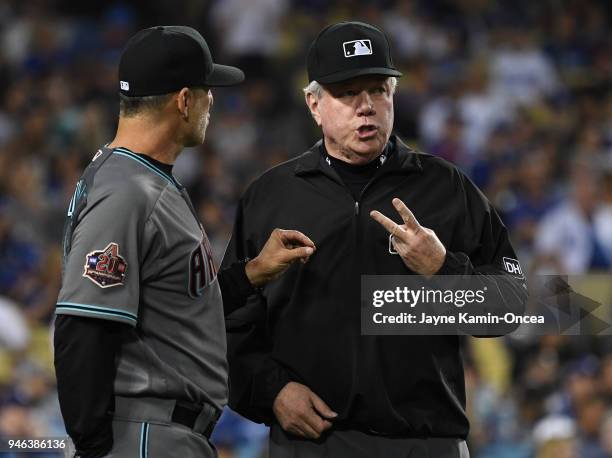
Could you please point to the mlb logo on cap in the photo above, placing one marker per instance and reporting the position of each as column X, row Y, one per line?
column 330, row 57
column 357, row 48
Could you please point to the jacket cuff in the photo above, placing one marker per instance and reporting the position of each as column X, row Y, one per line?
column 235, row 286
column 101, row 446
column 267, row 384
column 239, row 279
column 456, row 263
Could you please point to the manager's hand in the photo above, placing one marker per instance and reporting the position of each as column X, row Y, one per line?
column 281, row 250
column 301, row 412
column 419, row 247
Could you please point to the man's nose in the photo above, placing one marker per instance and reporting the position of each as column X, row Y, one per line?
column 365, row 105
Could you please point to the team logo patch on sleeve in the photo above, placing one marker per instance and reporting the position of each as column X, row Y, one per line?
column 105, row 267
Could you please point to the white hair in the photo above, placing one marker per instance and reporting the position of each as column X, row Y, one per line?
column 316, row 89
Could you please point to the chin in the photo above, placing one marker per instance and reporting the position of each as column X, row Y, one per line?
column 369, row 148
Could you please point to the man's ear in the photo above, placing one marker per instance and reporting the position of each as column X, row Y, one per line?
column 313, row 106
column 184, row 100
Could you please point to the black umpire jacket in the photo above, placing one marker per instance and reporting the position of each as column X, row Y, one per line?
column 305, row 325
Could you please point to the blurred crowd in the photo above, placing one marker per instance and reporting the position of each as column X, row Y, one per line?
column 516, row 93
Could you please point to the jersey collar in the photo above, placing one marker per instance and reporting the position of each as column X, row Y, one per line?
column 148, row 162
column 402, row 159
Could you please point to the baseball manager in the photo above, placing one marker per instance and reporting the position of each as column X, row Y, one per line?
column 297, row 358
column 140, row 349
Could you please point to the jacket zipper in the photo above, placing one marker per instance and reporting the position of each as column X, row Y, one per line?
column 374, row 178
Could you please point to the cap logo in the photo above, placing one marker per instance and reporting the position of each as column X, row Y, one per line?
column 357, row 48
column 125, row 86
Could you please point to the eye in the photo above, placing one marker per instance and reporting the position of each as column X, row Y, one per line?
column 348, row 93
column 378, row 90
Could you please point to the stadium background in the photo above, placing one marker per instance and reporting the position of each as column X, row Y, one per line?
column 517, row 93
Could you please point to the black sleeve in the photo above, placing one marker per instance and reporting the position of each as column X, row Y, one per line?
column 235, row 286
column 85, row 350
column 255, row 376
column 486, row 255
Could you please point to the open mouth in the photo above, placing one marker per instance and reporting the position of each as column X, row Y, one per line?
column 366, row 131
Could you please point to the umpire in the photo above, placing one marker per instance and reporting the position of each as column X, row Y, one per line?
column 140, row 349
column 297, row 358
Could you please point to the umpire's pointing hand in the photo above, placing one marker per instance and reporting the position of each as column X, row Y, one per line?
column 281, row 250
column 301, row 412
column 419, row 247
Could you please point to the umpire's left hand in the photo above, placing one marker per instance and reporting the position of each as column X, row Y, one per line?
column 419, row 247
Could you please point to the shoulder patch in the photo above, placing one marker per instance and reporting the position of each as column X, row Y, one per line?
column 106, row 267
column 513, row 267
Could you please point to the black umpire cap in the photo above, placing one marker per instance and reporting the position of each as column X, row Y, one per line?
column 164, row 59
column 348, row 49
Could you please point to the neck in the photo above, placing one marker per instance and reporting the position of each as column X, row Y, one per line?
column 147, row 136
column 347, row 155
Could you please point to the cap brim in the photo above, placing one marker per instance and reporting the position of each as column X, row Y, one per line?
column 224, row 75
column 348, row 74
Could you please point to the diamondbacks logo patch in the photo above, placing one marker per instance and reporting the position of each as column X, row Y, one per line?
column 106, row 267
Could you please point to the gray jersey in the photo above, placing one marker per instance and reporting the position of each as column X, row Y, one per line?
column 135, row 252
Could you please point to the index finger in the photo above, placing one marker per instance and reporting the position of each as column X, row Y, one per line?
column 391, row 226
column 313, row 421
column 321, row 407
column 408, row 217
column 296, row 238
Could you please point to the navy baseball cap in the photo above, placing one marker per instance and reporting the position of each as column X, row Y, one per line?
column 164, row 59
column 348, row 49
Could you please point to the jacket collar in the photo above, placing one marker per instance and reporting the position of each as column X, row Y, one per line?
column 402, row 159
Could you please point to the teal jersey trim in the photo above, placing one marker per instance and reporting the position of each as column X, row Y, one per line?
column 144, row 439
column 96, row 310
column 129, row 154
column 80, row 189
